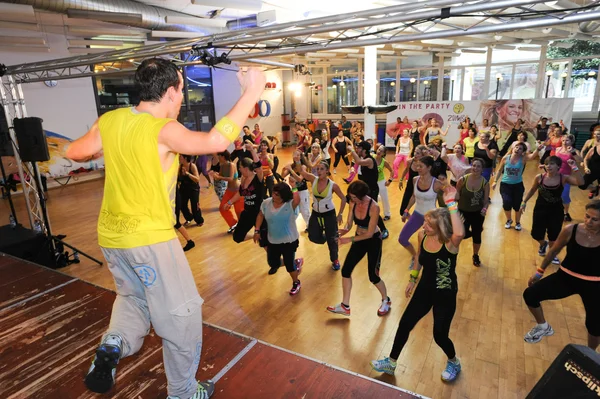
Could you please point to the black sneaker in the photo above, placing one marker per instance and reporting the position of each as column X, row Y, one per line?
column 543, row 248
column 386, row 218
column 190, row 244
column 101, row 375
column 476, row 261
column 232, row 229
column 568, row 217
column 385, row 234
column 273, row 270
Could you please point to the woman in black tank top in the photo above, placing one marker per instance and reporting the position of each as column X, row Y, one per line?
column 419, row 151
column 579, row 274
column 189, row 190
column 367, row 241
column 439, row 240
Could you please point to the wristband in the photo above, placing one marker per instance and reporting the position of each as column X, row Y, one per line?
column 256, row 231
column 228, row 128
column 390, row 180
column 294, row 190
column 405, row 213
column 352, row 240
column 412, row 279
column 450, row 203
column 453, row 210
column 414, row 273
column 575, row 168
column 538, row 275
column 229, row 203
column 540, row 270
column 484, row 210
column 523, row 204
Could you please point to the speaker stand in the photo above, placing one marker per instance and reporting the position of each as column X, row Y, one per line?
column 62, row 258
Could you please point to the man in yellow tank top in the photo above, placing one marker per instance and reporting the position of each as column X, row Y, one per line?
column 153, row 279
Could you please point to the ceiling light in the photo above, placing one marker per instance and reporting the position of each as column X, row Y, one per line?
column 499, row 76
column 425, row 82
column 413, row 80
column 392, row 83
column 549, row 73
column 497, row 37
column 80, row 42
column 448, row 54
column 345, row 50
column 564, row 75
column 14, row 41
column 407, row 46
column 441, row 42
column 323, row 54
column 591, row 73
column 386, row 52
column 298, row 93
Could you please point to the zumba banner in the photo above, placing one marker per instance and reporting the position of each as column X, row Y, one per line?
column 502, row 113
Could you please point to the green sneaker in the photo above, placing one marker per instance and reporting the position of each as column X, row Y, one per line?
column 386, row 365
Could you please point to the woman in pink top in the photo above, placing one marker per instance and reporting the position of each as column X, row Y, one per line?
column 565, row 152
column 257, row 134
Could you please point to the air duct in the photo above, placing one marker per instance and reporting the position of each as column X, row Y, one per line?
column 151, row 17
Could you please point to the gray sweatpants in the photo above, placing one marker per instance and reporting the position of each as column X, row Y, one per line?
column 155, row 286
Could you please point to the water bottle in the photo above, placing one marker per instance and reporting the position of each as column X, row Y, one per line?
column 13, row 222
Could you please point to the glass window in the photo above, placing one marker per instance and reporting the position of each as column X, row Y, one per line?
column 341, row 91
column 584, row 78
column 554, row 86
column 343, row 68
column 467, row 58
column 387, row 87
column 408, row 85
column 428, row 83
column 316, row 71
column 316, row 99
column 452, row 84
column 522, row 54
column 117, row 91
column 500, row 81
column 199, row 84
column 386, row 65
column 474, row 82
column 525, row 82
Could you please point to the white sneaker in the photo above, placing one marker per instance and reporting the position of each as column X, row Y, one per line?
column 205, row 390
column 508, row 224
column 518, row 227
column 537, row 333
column 385, row 307
column 556, row 261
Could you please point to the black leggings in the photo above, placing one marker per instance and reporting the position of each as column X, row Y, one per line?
column 338, row 156
column 269, row 184
column 244, row 225
column 473, row 225
column 177, row 208
column 408, row 192
column 426, row 297
column 191, row 196
column 322, row 227
column 287, row 251
column 547, row 219
column 274, row 170
column 358, row 250
column 561, row 285
column 589, row 179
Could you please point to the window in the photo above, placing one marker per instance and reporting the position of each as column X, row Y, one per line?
column 452, row 84
column 428, row 83
column 199, row 85
column 384, row 64
column 584, row 78
column 525, row 81
column 343, row 69
column 500, row 83
column 408, row 85
column 387, row 87
column 521, row 54
column 474, row 82
column 341, row 91
column 554, row 87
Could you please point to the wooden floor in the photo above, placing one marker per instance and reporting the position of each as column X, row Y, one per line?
column 488, row 327
column 49, row 329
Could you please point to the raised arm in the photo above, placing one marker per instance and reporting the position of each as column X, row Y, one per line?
column 458, row 228
column 576, row 178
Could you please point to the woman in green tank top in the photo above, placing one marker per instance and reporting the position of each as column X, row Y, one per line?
column 473, row 195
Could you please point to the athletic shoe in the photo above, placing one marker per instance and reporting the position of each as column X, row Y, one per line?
column 386, row 305
column 386, row 365
column 190, row 244
column 476, row 260
column 299, row 262
column 568, row 217
column 508, row 224
column 232, row 229
column 101, row 375
column 518, row 227
column 386, row 218
column 296, row 287
column 336, row 265
column 385, row 234
column 205, row 391
column 273, row 270
column 556, row 261
column 537, row 333
column 593, row 192
column 543, row 248
column 452, row 370
column 339, row 309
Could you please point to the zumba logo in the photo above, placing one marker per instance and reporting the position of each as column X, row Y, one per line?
column 146, row 274
column 458, row 108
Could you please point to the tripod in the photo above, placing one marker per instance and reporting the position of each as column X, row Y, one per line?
column 62, row 258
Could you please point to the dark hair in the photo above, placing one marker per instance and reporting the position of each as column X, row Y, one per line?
column 365, row 145
column 593, row 204
column 553, row 159
column 427, row 160
column 284, row 191
column 523, row 133
column 570, row 137
column 225, row 154
column 153, row 78
column 522, row 145
column 265, row 142
column 187, row 157
column 246, row 126
column 481, row 161
column 247, row 163
column 358, row 188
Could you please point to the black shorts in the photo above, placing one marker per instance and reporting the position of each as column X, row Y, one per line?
column 512, row 196
column 547, row 220
column 286, row 250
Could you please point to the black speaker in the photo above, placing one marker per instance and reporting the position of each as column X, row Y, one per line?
column 6, row 148
column 575, row 373
column 33, row 146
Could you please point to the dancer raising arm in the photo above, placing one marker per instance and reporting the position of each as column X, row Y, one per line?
column 294, row 171
column 439, row 241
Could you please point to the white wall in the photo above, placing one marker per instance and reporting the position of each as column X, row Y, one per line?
column 68, row 109
column 271, row 124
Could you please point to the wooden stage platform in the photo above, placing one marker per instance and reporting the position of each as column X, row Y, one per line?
column 50, row 325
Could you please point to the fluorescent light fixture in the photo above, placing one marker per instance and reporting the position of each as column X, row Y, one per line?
column 345, row 50
column 196, row 21
column 356, row 55
column 23, row 10
column 176, row 34
column 323, row 54
column 386, row 52
column 441, row 42
column 502, row 47
column 249, row 5
column 81, row 42
column 17, row 41
column 407, row 46
column 473, row 51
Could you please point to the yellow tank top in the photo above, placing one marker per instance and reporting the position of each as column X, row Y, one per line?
column 139, row 198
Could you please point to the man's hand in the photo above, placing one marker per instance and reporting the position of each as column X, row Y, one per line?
column 252, row 81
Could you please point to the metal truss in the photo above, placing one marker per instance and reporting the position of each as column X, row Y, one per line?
column 376, row 26
column 14, row 107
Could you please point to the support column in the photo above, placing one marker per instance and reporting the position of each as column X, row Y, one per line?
column 370, row 90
